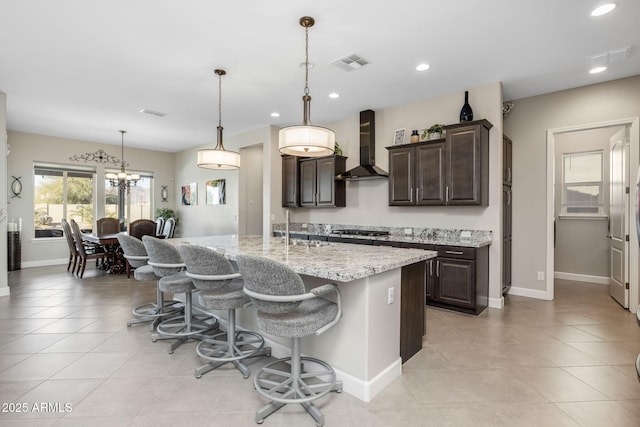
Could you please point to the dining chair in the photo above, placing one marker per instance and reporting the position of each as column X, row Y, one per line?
column 159, row 225
column 142, row 227
column 83, row 255
column 73, row 251
column 169, row 228
column 107, row 226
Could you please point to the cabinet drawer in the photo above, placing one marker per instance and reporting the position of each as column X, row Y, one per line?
column 456, row 252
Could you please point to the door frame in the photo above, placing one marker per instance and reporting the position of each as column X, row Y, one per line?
column 634, row 161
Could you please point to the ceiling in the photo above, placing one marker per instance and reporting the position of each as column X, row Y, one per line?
column 84, row 69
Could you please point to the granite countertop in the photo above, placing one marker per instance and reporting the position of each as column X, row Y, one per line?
column 340, row 262
column 437, row 237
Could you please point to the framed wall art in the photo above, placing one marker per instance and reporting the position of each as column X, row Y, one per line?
column 216, row 192
column 190, row 194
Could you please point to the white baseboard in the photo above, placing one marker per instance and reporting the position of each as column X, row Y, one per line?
column 4, row 291
column 496, row 302
column 529, row 293
column 581, row 278
column 363, row 390
column 44, row 263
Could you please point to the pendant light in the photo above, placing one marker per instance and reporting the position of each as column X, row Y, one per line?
column 219, row 158
column 122, row 179
column 306, row 140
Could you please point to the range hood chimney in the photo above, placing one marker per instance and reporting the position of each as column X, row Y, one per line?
column 367, row 168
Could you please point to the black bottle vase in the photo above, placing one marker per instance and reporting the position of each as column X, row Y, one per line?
column 466, row 114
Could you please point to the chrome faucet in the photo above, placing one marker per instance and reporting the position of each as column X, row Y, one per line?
column 287, row 240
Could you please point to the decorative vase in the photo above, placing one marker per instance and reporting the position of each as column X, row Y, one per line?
column 466, row 114
column 415, row 137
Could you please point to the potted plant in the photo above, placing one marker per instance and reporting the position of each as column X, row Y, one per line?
column 434, row 132
column 337, row 150
column 166, row 213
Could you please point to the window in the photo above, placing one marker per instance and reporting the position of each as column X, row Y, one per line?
column 62, row 191
column 582, row 183
column 137, row 201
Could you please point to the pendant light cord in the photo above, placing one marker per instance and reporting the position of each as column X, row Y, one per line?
column 220, row 100
column 306, row 60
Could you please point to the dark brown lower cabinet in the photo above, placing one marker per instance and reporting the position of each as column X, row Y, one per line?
column 412, row 316
column 460, row 279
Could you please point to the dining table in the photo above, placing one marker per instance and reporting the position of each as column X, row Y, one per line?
column 115, row 263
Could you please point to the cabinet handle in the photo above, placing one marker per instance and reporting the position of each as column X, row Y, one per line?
column 446, row 196
column 509, row 198
column 509, row 175
column 437, row 268
column 454, row 252
column 431, row 267
column 417, row 189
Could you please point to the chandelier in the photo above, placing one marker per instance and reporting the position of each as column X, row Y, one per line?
column 122, row 179
column 306, row 140
column 219, row 158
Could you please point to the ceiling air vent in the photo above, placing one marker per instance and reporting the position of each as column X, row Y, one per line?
column 350, row 62
column 153, row 112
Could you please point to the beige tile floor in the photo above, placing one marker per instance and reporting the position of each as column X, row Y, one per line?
column 567, row 362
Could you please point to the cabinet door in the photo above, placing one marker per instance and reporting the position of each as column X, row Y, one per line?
column 506, row 237
column 308, row 183
column 456, row 281
column 430, row 280
column 401, row 176
column 430, row 174
column 289, row 181
column 463, row 166
column 325, row 184
column 507, row 161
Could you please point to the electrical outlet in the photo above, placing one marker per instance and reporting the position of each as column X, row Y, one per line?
column 391, row 295
column 408, row 231
column 465, row 234
column 303, row 226
column 540, row 275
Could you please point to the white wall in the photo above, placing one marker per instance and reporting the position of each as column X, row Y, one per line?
column 367, row 200
column 27, row 148
column 4, row 173
column 527, row 125
column 200, row 219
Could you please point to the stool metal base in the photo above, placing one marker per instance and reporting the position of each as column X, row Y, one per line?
column 154, row 311
column 226, row 347
column 284, row 382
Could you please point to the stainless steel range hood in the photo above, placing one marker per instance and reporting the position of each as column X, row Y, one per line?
column 367, row 168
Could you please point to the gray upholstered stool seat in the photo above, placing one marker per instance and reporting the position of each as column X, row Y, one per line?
column 167, row 264
column 286, row 309
column 134, row 251
column 221, row 289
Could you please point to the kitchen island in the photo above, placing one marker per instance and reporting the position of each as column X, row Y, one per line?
column 364, row 347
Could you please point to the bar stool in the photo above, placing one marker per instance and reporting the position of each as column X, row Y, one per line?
column 136, row 255
column 221, row 289
column 167, row 264
column 285, row 309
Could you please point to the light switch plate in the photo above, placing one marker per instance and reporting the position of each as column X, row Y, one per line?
column 408, row 231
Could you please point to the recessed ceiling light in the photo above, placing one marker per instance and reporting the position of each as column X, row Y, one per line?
column 423, row 67
column 603, row 9
column 596, row 70
column 274, row 114
column 334, row 95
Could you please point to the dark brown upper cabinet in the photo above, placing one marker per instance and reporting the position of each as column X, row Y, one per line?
column 450, row 171
column 310, row 182
column 290, row 174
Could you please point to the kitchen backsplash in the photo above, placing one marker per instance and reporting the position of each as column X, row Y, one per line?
column 418, row 233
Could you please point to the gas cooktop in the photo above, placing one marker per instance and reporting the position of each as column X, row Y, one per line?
column 354, row 232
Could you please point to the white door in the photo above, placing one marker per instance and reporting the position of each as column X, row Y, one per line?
column 618, row 221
